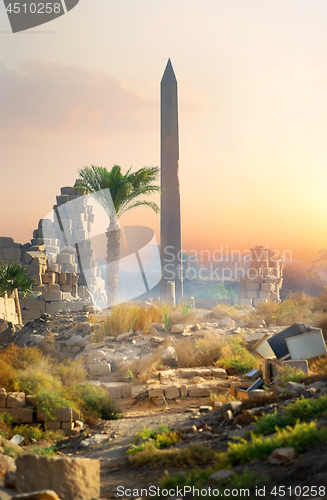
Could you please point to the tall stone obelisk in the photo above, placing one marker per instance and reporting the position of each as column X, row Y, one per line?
column 170, row 238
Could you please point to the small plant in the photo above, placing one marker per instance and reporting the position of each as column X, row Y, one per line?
column 50, row 451
column 185, row 308
column 166, row 317
column 129, row 375
column 160, row 438
column 10, row 451
column 289, row 374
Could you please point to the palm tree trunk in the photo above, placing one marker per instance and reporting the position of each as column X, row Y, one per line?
column 113, row 256
column 17, row 307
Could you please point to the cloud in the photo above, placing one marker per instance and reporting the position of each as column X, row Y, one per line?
column 47, row 95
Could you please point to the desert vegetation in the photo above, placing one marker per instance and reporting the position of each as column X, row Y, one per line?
column 53, row 385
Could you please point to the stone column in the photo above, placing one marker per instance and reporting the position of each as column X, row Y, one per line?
column 170, row 243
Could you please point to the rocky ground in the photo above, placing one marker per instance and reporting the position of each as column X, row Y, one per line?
column 197, row 419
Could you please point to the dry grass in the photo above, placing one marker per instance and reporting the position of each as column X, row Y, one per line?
column 192, row 455
column 297, row 307
column 127, row 317
column 225, row 311
column 141, row 370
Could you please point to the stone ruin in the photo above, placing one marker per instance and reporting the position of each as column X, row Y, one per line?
column 60, row 258
column 264, row 278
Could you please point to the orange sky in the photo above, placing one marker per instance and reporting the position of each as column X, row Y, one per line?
column 252, row 81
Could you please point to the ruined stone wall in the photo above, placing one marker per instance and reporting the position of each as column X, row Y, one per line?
column 54, row 262
column 264, row 278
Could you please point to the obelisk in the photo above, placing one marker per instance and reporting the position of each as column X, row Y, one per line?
column 170, row 238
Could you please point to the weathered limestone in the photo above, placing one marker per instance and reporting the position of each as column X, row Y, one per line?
column 170, row 245
column 263, row 279
column 79, row 477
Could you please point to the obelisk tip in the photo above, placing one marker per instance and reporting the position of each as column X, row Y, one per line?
column 169, row 74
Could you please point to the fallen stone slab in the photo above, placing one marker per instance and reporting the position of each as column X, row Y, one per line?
column 124, row 336
column 281, row 456
column 177, row 329
column 220, row 476
column 97, row 438
column 79, row 477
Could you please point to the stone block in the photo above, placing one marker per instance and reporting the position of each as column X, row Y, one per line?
column 67, row 425
column 267, row 287
column 54, row 287
column 3, row 398
column 66, row 288
column 51, row 425
column 48, row 278
column 47, row 233
column 155, row 392
column 62, row 199
column 195, row 372
column 16, row 400
column 75, row 306
column 71, row 268
column 64, row 414
column 171, row 392
column 136, row 390
column 275, row 264
column 98, row 369
column 31, row 315
column 183, row 391
column 245, row 302
column 53, row 307
column 198, row 392
column 252, row 286
column 264, row 295
column 23, row 415
column 258, row 264
column 252, row 295
column 35, row 304
column 6, row 242
column 274, row 296
column 65, row 258
column 80, row 234
column 258, row 301
column 52, row 296
column 218, row 373
column 79, row 477
column 270, row 279
column 11, row 253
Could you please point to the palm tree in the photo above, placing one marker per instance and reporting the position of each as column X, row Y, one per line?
column 125, row 192
column 12, row 277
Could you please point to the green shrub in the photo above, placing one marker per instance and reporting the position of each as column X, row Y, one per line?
column 94, row 399
column 301, row 410
column 239, row 358
column 192, row 455
column 301, row 437
column 160, row 438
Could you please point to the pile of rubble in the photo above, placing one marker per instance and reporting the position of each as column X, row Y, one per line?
column 263, row 279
